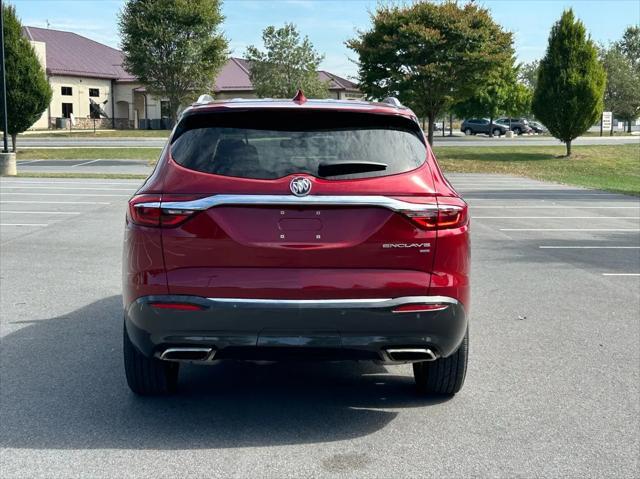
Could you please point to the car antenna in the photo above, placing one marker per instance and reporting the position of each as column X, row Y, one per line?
column 300, row 98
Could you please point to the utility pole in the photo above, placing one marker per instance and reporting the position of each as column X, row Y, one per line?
column 5, row 148
column 7, row 159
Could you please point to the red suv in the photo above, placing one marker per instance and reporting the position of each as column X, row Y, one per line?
column 304, row 229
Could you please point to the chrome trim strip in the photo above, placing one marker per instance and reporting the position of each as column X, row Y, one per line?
column 431, row 355
column 290, row 200
column 384, row 303
column 210, row 353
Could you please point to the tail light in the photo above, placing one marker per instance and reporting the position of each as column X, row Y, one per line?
column 146, row 210
column 445, row 216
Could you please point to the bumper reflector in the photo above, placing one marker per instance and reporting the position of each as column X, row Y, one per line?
column 418, row 308
column 178, row 306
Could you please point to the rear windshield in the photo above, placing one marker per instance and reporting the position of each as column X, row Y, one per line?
column 269, row 144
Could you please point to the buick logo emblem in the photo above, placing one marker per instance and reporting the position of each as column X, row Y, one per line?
column 300, row 186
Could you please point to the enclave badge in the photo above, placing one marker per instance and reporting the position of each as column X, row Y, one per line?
column 300, row 186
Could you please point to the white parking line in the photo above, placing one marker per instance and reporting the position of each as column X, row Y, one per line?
column 620, row 274
column 526, row 207
column 60, row 194
column 516, row 188
column 547, row 200
column 557, row 217
column 559, row 193
column 37, row 182
column 27, row 162
column 570, row 229
column 41, row 212
column 97, row 147
column 58, row 202
column 589, row 247
column 66, row 188
column 24, row 224
column 85, row 163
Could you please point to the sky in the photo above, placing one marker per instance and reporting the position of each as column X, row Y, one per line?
column 329, row 23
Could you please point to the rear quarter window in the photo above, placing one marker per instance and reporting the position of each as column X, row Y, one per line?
column 270, row 144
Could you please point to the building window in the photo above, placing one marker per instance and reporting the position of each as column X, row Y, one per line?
column 94, row 92
column 164, row 109
column 67, row 110
column 66, row 90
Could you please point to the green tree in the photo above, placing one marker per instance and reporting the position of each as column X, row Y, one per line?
column 174, row 47
column 499, row 94
column 28, row 91
column 288, row 64
column 518, row 101
column 629, row 46
column 528, row 74
column 430, row 55
column 489, row 101
column 569, row 96
column 622, row 93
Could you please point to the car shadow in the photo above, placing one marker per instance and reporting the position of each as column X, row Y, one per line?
column 63, row 387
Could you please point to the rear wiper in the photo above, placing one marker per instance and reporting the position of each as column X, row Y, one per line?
column 349, row 167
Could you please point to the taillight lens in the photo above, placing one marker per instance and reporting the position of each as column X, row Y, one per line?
column 451, row 216
column 146, row 210
column 427, row 219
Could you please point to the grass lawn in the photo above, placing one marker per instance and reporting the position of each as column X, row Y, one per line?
column 607, row 167
column 98, row 134
column 149, row 154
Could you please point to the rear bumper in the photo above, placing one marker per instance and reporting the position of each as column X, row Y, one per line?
column 270, row 329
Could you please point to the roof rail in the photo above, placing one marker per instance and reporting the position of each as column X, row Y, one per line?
column 202, row 99
column 393, row 101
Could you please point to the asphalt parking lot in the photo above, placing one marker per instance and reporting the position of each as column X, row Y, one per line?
column 100, row 166
column 553, row 387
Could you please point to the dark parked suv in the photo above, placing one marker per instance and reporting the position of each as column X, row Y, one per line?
column 296, row 230
column 474, row 126
column 517, row 125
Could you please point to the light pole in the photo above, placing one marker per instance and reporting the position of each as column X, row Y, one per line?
column 7, row 159
column 5, row 148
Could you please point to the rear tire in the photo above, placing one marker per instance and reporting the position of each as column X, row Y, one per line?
column 148, row 376
column 444, row 375
column 497, row 132
column 517, row 131
column 468, row 132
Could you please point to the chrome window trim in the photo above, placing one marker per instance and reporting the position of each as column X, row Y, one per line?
column 333, row 303
column 291, row 200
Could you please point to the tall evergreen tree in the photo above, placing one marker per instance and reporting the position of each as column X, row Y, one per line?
column 174, row 47
column 28, row 91
column 568, row 98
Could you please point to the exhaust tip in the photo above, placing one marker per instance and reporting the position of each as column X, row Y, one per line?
column 411, row 354
column 188, row 354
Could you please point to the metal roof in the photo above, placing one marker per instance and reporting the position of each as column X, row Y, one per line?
column 71, row 54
